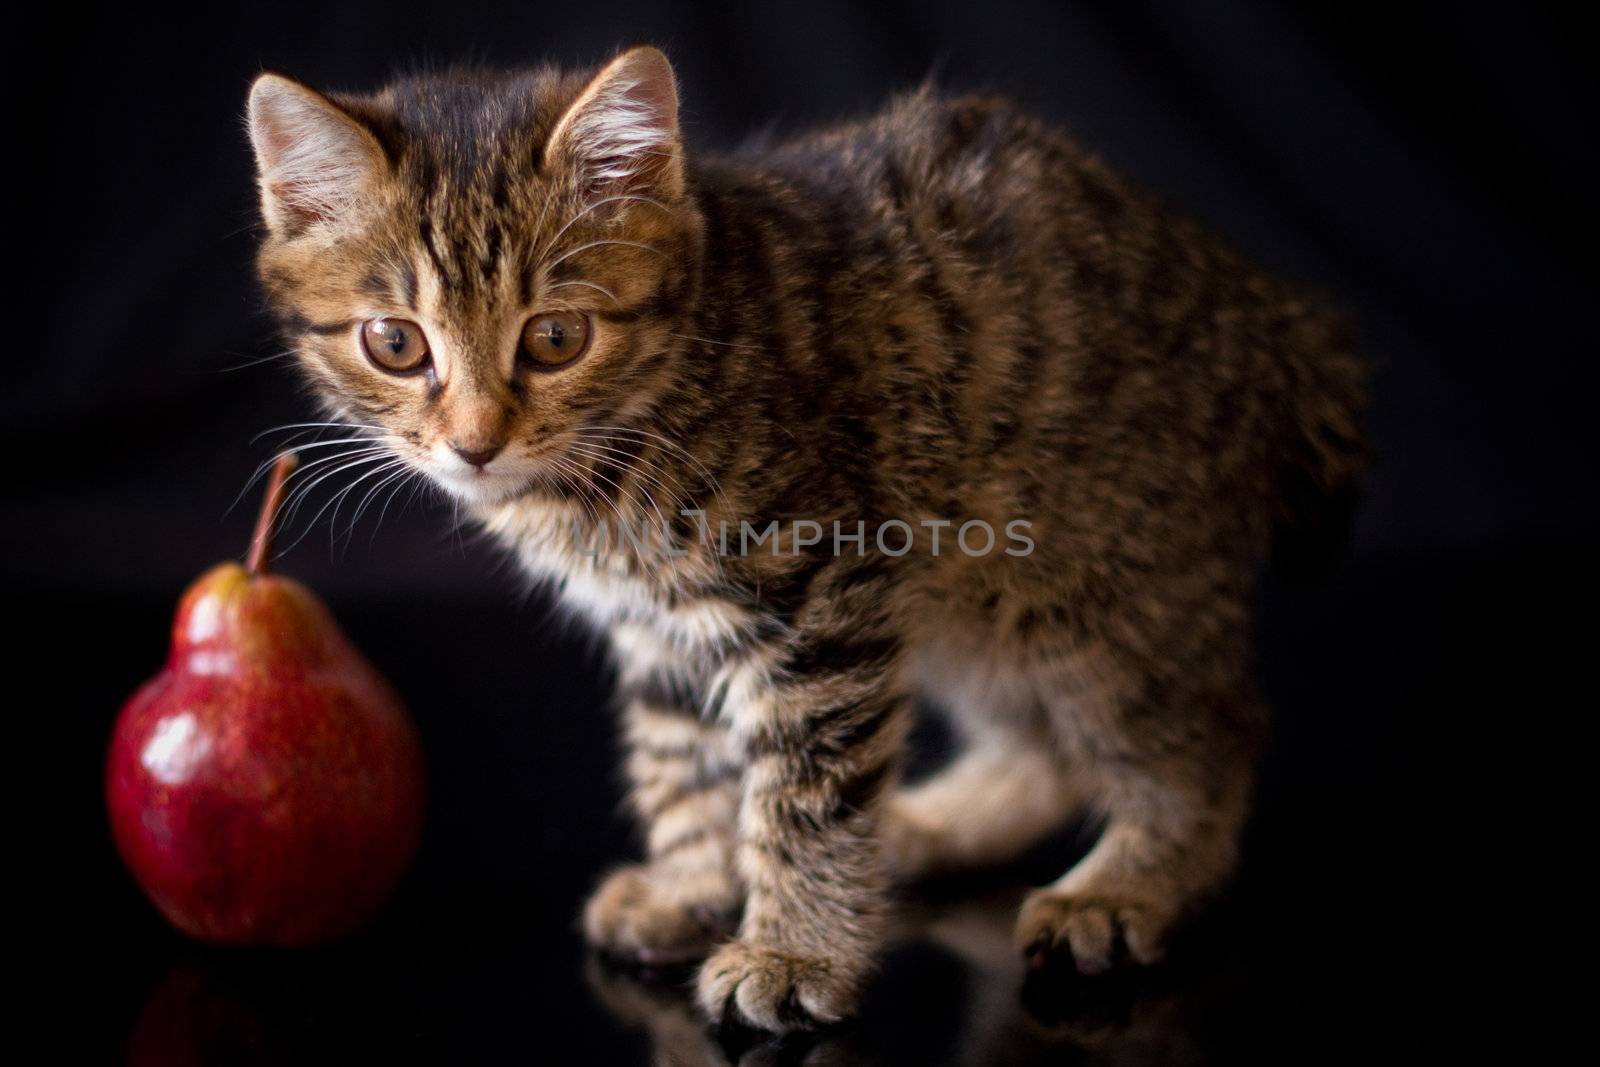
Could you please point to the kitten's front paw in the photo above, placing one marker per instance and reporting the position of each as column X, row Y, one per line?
column 773, row 989
column 1096, row 932
column 660, row 918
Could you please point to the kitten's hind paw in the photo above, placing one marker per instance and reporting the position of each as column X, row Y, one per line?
column 770, row 989
column 911, row 851
column 1095, row 932
column 657, row 918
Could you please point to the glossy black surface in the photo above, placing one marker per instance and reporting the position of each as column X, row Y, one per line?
column 478, row 959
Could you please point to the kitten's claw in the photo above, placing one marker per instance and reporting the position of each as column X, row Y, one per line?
column 754, row 985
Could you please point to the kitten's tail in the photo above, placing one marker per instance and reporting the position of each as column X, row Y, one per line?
column 1320, row 480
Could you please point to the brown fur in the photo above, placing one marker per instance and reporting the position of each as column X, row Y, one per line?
column 945, row 312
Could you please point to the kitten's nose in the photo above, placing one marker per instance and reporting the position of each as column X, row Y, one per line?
column 480, row 457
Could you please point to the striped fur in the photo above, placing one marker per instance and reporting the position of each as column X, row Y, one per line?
column 946, row 312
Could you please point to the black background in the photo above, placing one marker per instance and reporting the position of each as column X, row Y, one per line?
column 1429, row 168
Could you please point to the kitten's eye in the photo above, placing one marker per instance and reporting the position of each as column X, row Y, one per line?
column 395, row 345
column 555, row 339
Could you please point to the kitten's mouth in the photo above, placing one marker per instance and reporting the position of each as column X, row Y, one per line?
column 481, row 486
column 499, row 481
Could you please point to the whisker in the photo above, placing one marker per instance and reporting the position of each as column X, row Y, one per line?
column 651, row 500
column 332, row 502
column 601, row 244
column 579, row 468
column 583, row 474
column 602, row 202
column 582, row 491
column 641, row 467
column 339, row 498
column 365, row 500
column 725, row 344
column 648, row 564
column 539, row 225
column 268, row 464
column 314, row 425
column 258, row 361
column 303, row 491
column 679, row 493
column 587, row 285
column 409, row 479
column 291, row 505
column 648, row 474
column 674, row 449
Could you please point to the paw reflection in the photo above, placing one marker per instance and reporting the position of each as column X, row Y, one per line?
column 954, row 991
column 662, row 1005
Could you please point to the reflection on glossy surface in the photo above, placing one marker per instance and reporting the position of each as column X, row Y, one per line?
column 478, row 958
column 190, row 1020
column 954, row 991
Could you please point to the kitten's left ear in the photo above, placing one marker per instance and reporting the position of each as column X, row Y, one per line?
column 623, row 128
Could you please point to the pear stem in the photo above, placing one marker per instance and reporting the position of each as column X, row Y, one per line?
column 267, row 522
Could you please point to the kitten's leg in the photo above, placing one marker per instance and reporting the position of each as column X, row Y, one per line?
column 1000, row 796
column 1175, row 807
column 823, row 728
column 1007, row 788
column 684, row 773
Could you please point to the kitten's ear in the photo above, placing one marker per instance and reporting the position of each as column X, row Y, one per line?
column 313, row 161
column 623, row 128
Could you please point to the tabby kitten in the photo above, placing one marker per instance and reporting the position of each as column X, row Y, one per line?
column 941, row 319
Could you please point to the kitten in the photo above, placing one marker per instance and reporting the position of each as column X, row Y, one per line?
column 943, row 319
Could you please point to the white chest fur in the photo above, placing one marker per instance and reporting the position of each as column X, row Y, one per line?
column 673, row 597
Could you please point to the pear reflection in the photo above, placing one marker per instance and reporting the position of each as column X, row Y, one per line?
column 264, row 1007
column 954, row 991
column 191, row 1020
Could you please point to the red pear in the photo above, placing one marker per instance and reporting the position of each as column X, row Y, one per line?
column 266, row 787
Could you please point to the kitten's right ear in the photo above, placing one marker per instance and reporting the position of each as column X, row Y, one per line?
column 313, row 160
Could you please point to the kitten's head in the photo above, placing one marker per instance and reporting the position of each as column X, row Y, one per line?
column 482, row 266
